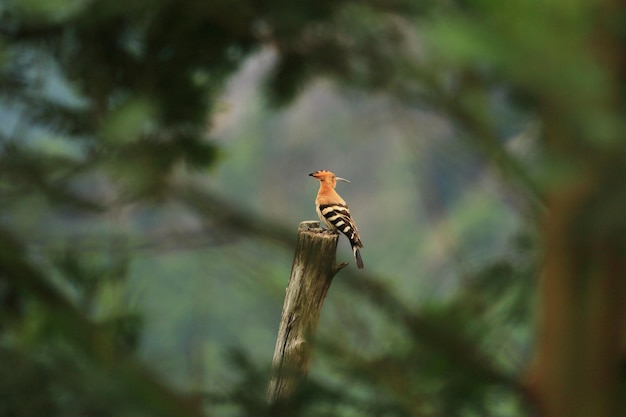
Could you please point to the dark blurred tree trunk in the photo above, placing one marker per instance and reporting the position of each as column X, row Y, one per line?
column 583, row 299
column 579, row 363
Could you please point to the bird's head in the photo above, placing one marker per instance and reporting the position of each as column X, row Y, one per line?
column 327, row 177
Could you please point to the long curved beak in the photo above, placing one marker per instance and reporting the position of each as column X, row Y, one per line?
column 341, row 179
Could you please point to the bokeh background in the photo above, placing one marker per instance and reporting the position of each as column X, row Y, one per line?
column 154, row 161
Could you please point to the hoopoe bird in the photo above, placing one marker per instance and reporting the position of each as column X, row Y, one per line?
column 333, row 211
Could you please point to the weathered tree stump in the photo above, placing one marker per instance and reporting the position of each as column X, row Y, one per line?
column 313, row 269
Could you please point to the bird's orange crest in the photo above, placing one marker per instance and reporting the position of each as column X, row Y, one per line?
column 328, row 177
column 321, row 173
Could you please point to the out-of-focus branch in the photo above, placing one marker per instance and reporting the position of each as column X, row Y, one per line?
column 457, row 349
column 229, row 215
column 484, row 138
column 454, row 105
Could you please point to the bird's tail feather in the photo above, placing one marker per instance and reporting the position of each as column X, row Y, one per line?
column 357, row 257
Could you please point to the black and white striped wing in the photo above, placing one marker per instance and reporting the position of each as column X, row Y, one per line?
column 337, row 217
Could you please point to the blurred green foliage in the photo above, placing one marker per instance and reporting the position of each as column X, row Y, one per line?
column 123, row 274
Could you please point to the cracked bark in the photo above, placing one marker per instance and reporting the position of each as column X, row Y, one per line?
column 312, row 272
